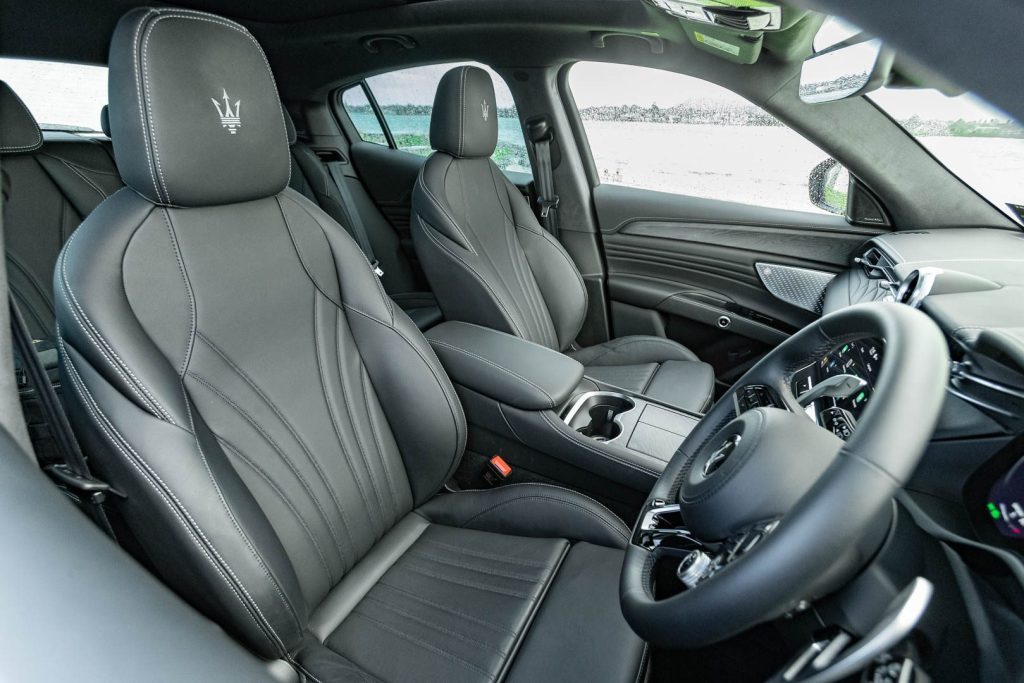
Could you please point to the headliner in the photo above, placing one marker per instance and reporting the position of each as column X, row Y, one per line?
column 316, row 44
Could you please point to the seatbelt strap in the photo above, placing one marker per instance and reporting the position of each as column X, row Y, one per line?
column 72, row 473
column 541, row 136
column 355, row 220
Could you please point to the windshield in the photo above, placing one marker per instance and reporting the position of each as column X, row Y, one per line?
column 61, row 96
column 981, row 145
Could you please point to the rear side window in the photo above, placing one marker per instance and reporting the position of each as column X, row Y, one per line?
column 61, row 96
column 363, row 117
column 406, row 99
column 664, row 131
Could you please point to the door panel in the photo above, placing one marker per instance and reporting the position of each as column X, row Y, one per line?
column 695, row 270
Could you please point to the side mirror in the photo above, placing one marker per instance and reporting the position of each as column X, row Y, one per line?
column 853, row 67
column 832, row 188
column 828, row 186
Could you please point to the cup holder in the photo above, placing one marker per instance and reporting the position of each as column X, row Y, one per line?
column 594, row 414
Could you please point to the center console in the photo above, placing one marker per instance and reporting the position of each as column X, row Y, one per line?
column 532, row 406
column 634, row 422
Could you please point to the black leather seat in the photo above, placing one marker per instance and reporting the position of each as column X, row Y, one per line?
column 57, row 179
column 310, row 178
column 279, row 429
column 489, row 261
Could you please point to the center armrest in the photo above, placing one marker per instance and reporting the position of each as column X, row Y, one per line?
column 508, row 369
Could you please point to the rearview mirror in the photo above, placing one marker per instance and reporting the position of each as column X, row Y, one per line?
column 853, row 67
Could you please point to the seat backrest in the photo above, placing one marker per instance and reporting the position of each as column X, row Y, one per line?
column 56, row 179
column 485, row 254
column 234, row 367
column 311, row 178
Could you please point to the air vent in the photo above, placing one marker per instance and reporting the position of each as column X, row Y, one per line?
column 877, row 265
column 329, row 155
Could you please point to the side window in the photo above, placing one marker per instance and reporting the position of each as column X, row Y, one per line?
column 406, row 99
column 665, row 131
column 361, row 112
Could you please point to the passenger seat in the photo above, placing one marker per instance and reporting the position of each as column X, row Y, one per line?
column 491, row 263
column 311, row 178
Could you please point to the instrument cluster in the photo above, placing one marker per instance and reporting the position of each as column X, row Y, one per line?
column 861, row 359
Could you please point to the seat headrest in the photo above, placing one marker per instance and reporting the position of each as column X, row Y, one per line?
column 105, row 120
column 19, row 132
column 464, row 122
column 194, row 111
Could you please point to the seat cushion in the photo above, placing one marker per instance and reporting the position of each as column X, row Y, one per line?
column 476, row 587
column 651, row 366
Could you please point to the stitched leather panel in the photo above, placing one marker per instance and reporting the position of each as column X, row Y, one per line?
column 238, row 329
column 484, row 258
column 455, row 605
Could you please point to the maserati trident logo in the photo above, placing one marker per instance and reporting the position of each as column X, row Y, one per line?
column 485, row 111
column 721, row 454
column 229, row 118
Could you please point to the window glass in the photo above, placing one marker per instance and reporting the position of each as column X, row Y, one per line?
column 977, row 142
column 359, row 110
column 665, row 131
column 406, row 98
column 61, row 96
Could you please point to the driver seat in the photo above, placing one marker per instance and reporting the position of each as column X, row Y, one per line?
column 278, row 429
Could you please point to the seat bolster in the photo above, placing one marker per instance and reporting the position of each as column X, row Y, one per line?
column 198, row 526
column 406, row 375
column 533, row 510
column 633, row 350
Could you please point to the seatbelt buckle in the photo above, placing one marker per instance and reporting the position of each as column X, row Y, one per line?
column 497, row 471
column 377, row 270
column 547, row 204
column 87, row 488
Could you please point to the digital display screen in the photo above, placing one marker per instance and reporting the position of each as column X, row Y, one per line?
column 861, row 358
column 1005, row 503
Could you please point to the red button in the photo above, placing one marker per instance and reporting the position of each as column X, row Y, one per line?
column 500, row 466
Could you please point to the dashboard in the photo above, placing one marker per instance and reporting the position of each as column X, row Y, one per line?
column 971, row 283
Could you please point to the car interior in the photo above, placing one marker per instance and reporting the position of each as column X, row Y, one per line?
column 479, row 340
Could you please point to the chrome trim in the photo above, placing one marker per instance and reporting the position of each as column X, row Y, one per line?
column 692, row 568
column 584, row 396
column 922, row 279
column 904, row 612
column 835, row 386
column 960, row 371
column 650, row 535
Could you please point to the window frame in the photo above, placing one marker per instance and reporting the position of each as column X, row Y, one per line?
column 374, row 107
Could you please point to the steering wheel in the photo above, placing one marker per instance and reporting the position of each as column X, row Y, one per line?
column 767, row 511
